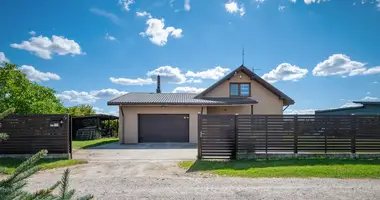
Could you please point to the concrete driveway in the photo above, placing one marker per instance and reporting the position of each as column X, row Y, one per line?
column 147, row 152
column 150, row 171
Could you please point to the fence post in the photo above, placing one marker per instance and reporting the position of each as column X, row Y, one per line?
column 199, row 156
column 266, row 137
column 236, row 136
column 353, row 137
column 295, row 134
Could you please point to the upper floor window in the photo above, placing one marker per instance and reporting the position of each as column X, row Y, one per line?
column 240, row 89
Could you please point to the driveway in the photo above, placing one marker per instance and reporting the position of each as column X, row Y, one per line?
column 150, row 171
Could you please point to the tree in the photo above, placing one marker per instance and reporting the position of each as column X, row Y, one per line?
column 12, row 187
column 80, row 110
column 25, row 96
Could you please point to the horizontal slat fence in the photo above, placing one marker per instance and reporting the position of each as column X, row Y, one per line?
column 29, row 134
column 293, row 134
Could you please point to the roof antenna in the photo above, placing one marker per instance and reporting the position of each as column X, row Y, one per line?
column 242, row 57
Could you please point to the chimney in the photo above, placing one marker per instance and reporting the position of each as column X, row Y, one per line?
column 158, row 90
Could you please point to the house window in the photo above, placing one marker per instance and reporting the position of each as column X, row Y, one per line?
column 240, row 89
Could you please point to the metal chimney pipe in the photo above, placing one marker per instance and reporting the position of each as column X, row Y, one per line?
column 158, row 90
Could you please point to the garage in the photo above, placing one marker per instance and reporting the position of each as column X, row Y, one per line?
column 163, row 128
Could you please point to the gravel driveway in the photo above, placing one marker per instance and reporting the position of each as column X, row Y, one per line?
column 121, row 173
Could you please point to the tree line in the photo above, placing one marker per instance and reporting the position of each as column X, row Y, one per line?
column 27, row 97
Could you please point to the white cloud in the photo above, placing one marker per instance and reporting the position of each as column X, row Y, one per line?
column 192, row 80
column 143, row 14
column 378, row 3
column 368, row 93
column 35, row 75
column 188, row 90
column 368, row 98
column 281, row 8
column 233, row 7
column 45, row 47
column 293, row 1
column 157, row 32
column 110, row 37
column 340, row 64
column 102, row 111
column 73, row 96
column 187, row 6
column 32, row 33
column 300, row 112
column 3, row 58
column 350, row 104
column 375, row 82
column 126, row 4
column 314, row 1
column 128, row 81
column 115, row 19
column 214, row 73
column 285, row 72
column 108, row 93
column 168, row 74
column 77, row 97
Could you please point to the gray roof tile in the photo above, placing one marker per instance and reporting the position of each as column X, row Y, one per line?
column 139, row 98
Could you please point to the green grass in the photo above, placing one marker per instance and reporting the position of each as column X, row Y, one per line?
column 93, row 143
column 8, row 165
column 304, row 168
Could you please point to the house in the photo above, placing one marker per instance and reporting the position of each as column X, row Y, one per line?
column 173, row 117
column 363, row 108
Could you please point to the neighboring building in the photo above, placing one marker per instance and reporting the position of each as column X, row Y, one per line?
column 363, row 108
column 173, row 117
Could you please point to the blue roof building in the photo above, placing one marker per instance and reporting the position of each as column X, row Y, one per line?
column 366, row 108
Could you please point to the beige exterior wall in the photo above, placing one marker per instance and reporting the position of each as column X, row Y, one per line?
column 129, row 129
column 269, row 103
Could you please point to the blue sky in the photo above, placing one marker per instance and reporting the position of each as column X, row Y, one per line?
column 321, row 53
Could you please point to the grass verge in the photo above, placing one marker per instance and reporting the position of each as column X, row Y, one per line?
column 93, row 143
column 303, row 168
column 8, row 165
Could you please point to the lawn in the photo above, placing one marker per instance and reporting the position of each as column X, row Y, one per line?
column 8, row 165
column 93, row 143
column 303, row 168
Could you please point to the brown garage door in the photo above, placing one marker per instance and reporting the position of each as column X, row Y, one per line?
column 163, row 128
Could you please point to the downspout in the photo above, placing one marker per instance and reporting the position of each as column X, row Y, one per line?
column 122, row 122
column 285, row 108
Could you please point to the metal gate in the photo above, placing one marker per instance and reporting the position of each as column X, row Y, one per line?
column 216, row 137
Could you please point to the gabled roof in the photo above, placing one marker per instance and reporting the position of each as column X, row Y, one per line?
column 287, row 100
column 145, row 98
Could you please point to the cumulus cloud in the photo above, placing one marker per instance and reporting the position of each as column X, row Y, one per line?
column 143, row 14
column 187, row 6
column 300, row 112
column 108, row 93
column 3, row 58
column 34, row 75
column 234, row 7
column 314, row 1
column 293, row 1
column 369, row 98
column 129, row 81
column 110, row 37
column 126, row 4
column 173, row 75
column 45, row 47
column 168, row 74
column 77, row 97
column 115, row 19
column 158, row 34
column 32, row 33
column 350, row 104
column 72, row 96
column 285, row 72
column 188, row 90
column 340, row 64
column 113, row 112
column 214, row 73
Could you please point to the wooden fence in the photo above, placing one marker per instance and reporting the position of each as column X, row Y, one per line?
column 29, row 134
column 233, row 136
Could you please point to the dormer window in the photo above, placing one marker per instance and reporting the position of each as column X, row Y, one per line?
column 240, row 89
